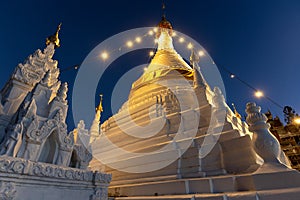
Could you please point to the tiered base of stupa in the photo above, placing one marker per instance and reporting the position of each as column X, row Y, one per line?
column 176, row 139
column 268, row 182
column 230, row 171
column 232, row 152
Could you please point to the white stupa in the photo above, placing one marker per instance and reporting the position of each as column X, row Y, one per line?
column 211, row 153
column 39, row 158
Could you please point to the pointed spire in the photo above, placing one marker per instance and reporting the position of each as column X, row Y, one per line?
column 62, row 93
column 54, row 38
column 163, row 8
column 99, row 107
column 164, row 25
column 95, row 129
column 198, row 78
column 47, row 79
column 237, row 114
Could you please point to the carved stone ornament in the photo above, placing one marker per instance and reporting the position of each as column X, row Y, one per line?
column 82, row 155
column 38, row 135
column 46, row 81
column 29, row 74
column 38, row 132
column 12, row 141
column 218, row 99
column 265, row 144
column 7, row 191
column 49, row 50
column 62, row 93
column 27, row 167
column 100, row 194
column 35, row 66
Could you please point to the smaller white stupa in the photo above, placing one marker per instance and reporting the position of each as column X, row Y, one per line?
column 39, row 158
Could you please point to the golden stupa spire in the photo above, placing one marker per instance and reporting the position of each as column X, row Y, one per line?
column 236, row 112
column 99, row 107
column 54, row 38
column 163, row 8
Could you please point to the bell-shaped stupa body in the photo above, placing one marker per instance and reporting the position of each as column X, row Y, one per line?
column 172, row 132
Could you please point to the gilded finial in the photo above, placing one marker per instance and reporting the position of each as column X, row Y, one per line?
column 100, row 107
column 163, row 8
column 194, row 58
column 54, row 38
column 164, row 23
column 236, row 112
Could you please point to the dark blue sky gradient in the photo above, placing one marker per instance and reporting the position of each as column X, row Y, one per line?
column 259, row 40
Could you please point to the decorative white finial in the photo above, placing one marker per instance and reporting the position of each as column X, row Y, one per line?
column 218, row 99
column 194, row 59
column 47, row 79
column 265, row 144
column 62, row 92
column 198, row 78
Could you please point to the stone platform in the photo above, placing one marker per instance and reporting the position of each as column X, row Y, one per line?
column 268, row 182
column 26, row 180
column 293, row 194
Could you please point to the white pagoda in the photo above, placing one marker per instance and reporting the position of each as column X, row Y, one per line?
column 226, row 159
column 39, row 159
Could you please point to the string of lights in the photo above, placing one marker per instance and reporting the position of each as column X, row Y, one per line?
column 258, row 93
column 104, row 55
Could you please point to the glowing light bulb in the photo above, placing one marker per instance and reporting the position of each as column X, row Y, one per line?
column 201, row 53
column 151, row 53
column 138, row 39
column 232, row 76
column 181, row 40
column 190, row 46
column 150, row 32
column 129, row 44
column 145, row 68
column 174, row 34
column 155, row 29
column 259, row 94
column 297, row 120
column 104, row 55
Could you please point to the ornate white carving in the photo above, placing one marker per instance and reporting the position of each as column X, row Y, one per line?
column 26, row 167
column 28, row 77
column 95, row 128
column 49, row 50
column 218, row 99
column 62, row 93
column 198, row 78
column 100, row 194
column 7, row 191
column 46, row 81
column 35, row 66
column 10, row 146
column 265, row 144
column 36, row 136
column 12, row 165
column 82, row 156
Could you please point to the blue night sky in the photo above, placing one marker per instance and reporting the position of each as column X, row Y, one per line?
column 258, row 40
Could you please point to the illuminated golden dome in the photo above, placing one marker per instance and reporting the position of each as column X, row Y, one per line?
column 166, row 62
